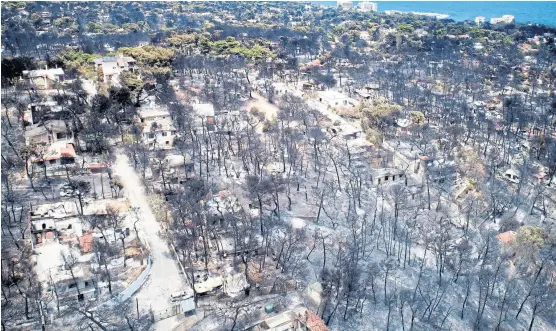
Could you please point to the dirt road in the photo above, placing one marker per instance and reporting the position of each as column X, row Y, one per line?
column 164, row 278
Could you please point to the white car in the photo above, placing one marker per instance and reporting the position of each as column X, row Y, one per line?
column 179, row 296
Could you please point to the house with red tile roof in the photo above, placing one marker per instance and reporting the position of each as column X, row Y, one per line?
column 57, row 157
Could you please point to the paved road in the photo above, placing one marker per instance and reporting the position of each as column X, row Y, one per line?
column 165, row 277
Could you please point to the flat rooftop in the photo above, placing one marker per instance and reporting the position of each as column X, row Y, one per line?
column 153, row 112
column 203, row 109
column 332, row 95
column 50, row 263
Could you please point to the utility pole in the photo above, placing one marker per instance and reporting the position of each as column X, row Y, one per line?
column 122, row 236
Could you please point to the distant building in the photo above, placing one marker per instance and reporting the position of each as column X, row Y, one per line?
column 420, row 33
column 442, row 174
column 344, row 5
column 347, row 132
column 480, row 20
column 366, row 93
column 364, row 35
column 113, row 66
column 367, row 6
column 507, row 19
column 433, row 15
column 403, row 125
column 44, row 79
column 463, row 190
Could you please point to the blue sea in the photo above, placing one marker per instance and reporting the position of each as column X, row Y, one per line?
column 524, row 11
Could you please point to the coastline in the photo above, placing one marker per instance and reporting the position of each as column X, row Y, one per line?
column 459, row 11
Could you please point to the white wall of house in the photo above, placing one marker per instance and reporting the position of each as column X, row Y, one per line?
column 50, row 138
column 43, row 82
column 42, row 138
column 164, row 138
column 52, row 166
column 44, row 224
column 387, row 178
column 68, row 288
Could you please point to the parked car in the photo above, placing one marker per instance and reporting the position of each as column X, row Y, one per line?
column 66, row 190
column 179, row 296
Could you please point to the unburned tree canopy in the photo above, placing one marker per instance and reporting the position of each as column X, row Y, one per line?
column 530, row 235
column 377, row 117
column 379, row 114
column 182, row 40
column 155, row 56
column 417, row 117
column 131, row 80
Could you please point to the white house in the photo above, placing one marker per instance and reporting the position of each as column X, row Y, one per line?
column 44, row 79
column 113, row 66
column 387, row 175
column 48, row 133
column 299, row 318
column 367, row 6
column 67, row 286
column 59, row 156
column 208, row 284
column 344, row 4
column 75, row 285
column 480, row 20
column 335, row 99
column 158, row 127
column 204, row 116
column 48, row 220
column 507, row 19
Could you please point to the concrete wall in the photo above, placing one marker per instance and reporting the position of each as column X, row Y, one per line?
column 137, row 283
column 132, row 288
